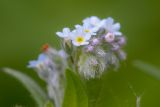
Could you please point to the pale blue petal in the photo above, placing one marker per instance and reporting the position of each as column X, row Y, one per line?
column 117, row 26
column 42, row 57
column 118, row 33
column 87, row 36
column 60, row 34
column 66, row 30
column 109, row 21
column 32, row 64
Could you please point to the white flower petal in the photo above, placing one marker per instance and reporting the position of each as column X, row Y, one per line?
column 109, row 21
column 66, row 30
column 87, row 36
column 78, row 26
column 60, row 34
column 92, row 21
column 118, row 33
column 75, row 43
column 85, row 43
column 117, row 26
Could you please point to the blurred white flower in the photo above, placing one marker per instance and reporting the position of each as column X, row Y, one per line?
column 112, row 27
column 93, row 22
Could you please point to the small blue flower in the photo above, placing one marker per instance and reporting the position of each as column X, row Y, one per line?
column 39, row 62
column 93, row 21
column 79, row 37
column 112, row 27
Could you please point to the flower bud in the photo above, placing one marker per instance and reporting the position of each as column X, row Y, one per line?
column 122, row 40
column 115, row 47
column 95, row 41
column 90, row 48
column 109, row 37
column 122, row 55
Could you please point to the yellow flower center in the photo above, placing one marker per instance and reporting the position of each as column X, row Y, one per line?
column 87, row 30
column 80, row 39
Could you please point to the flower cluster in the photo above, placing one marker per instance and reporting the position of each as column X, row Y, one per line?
column 89, row 49
column 94, row 46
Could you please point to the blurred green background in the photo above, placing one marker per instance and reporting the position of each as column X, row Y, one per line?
column 25, row 25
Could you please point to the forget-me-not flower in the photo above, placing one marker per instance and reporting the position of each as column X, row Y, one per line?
column 110, row 26
column 79, row 37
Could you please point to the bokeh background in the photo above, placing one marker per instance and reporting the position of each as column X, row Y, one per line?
column 25, row 25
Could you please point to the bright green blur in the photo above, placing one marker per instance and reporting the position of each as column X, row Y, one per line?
column 25, row 25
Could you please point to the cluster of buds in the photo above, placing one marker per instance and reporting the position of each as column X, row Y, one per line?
column 89, row 49
column 94, row 46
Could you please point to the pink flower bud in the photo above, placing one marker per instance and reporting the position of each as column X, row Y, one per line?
column 109, row 37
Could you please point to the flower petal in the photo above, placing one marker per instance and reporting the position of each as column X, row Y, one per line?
column 32, row 64
column 42, row 57
column 117, row 26
column 66, row 30
column 118, row 33
column 109, row 21
column 60, row 34
column 87, row 36
column 75, row 43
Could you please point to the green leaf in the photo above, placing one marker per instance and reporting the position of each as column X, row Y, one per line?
column 49, row 104
column 75, row 94
column 148, row 68
column 36, row 91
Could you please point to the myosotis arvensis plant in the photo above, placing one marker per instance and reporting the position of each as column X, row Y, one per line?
column 89, row 49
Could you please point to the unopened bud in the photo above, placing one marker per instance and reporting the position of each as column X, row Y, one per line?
column 90, row 48
column 115, row 47
column 109, row 37
column 95, row 41
column 121, row 41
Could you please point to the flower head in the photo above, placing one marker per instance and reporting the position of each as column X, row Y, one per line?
column 100, row 46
